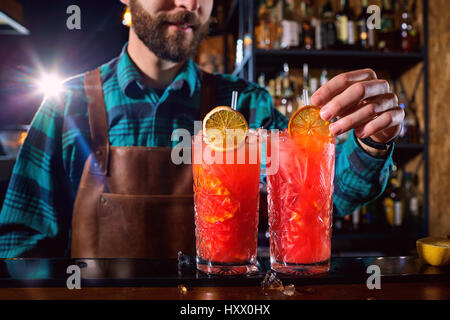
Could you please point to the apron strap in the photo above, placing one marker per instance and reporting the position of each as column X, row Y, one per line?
column 98, row 118
column 98, row 122
column 208, row 89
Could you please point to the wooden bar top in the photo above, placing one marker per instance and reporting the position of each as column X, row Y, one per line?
column 401, row 278
column 389, row 291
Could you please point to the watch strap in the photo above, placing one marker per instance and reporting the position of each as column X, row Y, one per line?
column 377, row 145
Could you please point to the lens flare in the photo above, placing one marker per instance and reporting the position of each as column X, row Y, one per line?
column 50, row 85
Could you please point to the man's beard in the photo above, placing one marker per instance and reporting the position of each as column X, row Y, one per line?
column 153, row 32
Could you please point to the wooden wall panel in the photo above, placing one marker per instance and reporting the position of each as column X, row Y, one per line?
column 439, row 57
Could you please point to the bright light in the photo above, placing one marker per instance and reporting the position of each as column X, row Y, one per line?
column 127, row 17
column 50, row 85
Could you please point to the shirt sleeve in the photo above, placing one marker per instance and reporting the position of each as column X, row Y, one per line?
column 359, row 177
column 31, row 220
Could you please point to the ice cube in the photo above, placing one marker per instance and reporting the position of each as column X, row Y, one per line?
column 289, row 290
column 272, row 282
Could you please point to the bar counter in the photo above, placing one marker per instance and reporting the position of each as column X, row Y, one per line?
column 401, row 278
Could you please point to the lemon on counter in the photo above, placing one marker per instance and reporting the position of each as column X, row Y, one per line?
column 435, row 251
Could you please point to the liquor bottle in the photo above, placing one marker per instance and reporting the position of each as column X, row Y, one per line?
column 411, row 123
column 262, row 80
column 263, row 28
column 271, row 90
column 342, row 19
column 409, row 34
column 313, row 85
column 392, row 203
column 306, row 77
column 410, row 132
column 367, row 215
column 355, row 219
column 287, row 97
column 366, row 36
column 268, row 30
column 386, row 34
column 410, row 203
column 402, row 102
column 307, row 30
column 317, row 27
column 278, row 95
column 291, row 28
column 287, row 100
column 328, row 27
column 323, row 77
column 352, row 28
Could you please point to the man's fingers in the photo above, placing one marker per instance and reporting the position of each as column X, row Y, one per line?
column 385, row 120
column 339, row 83
column 364, row 112
column 352, row 96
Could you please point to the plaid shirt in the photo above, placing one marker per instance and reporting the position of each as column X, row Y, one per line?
column 36, row 216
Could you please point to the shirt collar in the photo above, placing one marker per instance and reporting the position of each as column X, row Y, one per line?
column 132, row 84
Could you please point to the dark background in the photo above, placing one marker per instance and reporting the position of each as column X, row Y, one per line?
column 52, row 47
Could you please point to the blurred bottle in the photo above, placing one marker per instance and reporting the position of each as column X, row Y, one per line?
column 262, row 29
column 323, row 77
column 409, row 33
column 352, row 28
column 392, row 203
column 291, row 28
column 288, row 103
column 278, row 95
column 307, row 30
column 366, row 36
column 262, row 81
column 411, row 203
column 328, row 27
column 410, row 132
column 316, row 23
column 220, row 15
column 268, row 30
column 306, row 77
column 342, row 21
column 271, row 89
column 356, row 220
column 313, row 85
column 386, row 35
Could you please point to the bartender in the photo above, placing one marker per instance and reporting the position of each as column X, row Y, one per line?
column 94, row 177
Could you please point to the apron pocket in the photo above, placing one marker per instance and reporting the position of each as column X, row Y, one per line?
column 145, row 226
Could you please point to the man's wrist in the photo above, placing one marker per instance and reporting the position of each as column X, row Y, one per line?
column 377, row 153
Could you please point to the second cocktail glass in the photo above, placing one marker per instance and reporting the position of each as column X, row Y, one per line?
column 300, row 197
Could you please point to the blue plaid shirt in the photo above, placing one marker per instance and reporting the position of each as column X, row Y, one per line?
column 36, row 216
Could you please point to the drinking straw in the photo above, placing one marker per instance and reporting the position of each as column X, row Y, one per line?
column 305, row 97
column 234, row 96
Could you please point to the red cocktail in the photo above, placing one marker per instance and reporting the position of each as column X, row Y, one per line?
column 300, row 202
column 226, row 197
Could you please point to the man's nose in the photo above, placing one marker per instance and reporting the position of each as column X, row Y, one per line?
column 191, row 5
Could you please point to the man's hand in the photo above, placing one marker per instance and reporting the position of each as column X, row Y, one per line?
column 361, row 102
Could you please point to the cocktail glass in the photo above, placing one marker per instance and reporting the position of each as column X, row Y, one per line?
column 300, row 202
column 226, row 198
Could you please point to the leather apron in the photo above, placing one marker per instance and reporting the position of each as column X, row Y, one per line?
column 132, row 202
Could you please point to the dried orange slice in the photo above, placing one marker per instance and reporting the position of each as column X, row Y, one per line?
column 224, row 129
column 307, row 121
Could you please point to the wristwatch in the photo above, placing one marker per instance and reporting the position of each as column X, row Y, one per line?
column 377, row 145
